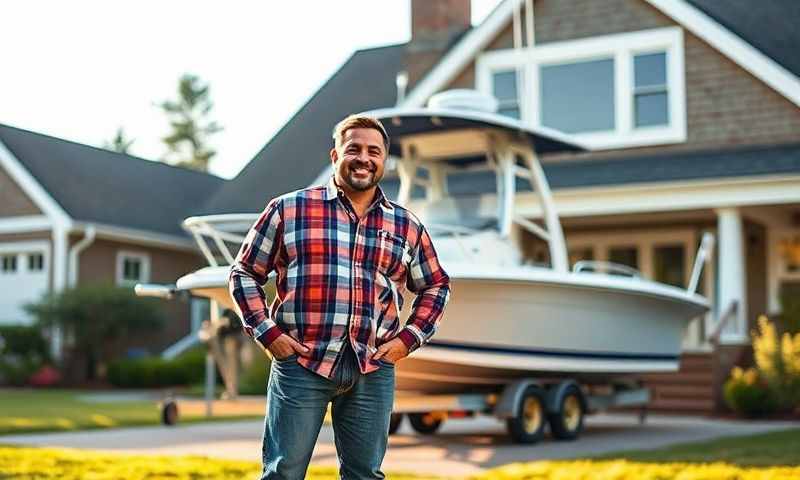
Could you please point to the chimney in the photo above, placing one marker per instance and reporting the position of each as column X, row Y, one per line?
column 434, row 26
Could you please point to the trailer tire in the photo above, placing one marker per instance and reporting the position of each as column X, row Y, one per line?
column 394, row 422
column 527, row 426
column 566, row 423
column 424, row 423
column 169, row 413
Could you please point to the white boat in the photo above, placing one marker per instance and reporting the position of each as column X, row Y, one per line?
column 507, row 319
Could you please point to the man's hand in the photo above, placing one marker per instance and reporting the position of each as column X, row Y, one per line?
column 391, row 351
column 284, row 346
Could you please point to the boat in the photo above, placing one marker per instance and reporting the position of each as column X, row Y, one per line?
column 508, row 318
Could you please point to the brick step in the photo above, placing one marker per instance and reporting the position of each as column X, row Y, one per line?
column 678, row 378
column 674, row 405
column 694, row 363
column 683, row 391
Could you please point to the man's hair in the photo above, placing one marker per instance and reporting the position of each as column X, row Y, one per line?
column 359, row 121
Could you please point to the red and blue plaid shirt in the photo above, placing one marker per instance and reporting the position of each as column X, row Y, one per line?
column 339, row 278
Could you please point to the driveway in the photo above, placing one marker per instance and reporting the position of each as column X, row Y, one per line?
column 462, row 447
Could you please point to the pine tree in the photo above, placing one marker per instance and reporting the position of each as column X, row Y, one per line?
column 119, row 143
column 188, row 116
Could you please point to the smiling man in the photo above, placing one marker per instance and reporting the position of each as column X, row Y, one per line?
column 342, row 254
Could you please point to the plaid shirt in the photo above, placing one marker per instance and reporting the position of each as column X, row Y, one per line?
column 338, row 276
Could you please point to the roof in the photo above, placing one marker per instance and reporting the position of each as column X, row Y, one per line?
column 768, row 25
column 96, row 185
column 667, row 167
column 297, row 154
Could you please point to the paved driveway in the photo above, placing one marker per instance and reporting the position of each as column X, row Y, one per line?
column 462, row 446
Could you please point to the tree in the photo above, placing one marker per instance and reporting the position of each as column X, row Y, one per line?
column 119, row 143
column 97, row 318
column 191, row 129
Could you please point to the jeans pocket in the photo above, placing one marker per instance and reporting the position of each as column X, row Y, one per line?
column 285, row 359
column 385, row 363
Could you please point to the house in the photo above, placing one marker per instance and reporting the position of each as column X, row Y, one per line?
column 692, row 112
column 691, row 109
column 71, row 214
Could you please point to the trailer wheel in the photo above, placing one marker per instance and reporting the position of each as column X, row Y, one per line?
column 424, row 423
column 169, row 413
column 567, row 421
column 528, row 425
column 394, row 422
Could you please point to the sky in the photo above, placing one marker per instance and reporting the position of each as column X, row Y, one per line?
column 80, row 69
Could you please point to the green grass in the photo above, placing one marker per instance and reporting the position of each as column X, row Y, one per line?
column 24, row 411
column 780, row 448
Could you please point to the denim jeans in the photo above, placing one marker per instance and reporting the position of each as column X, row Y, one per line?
column 297, row 400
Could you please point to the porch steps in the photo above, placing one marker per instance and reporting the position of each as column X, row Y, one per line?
column 689, row 390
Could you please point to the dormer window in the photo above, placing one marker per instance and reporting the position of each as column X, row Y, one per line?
column 614, row 91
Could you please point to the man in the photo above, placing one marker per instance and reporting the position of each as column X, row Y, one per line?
column 341, row 252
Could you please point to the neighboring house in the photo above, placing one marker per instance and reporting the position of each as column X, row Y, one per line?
column 691, row 109
column 72, row 214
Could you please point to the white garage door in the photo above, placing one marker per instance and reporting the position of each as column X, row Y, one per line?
column 24, row 271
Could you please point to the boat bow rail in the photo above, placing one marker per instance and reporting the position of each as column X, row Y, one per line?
column 220, row 236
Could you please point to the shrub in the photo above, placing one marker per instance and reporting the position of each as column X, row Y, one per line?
column 253, row 380
column 746, row 396
column 23, row 351
column 97, row 316
column 155, row 372
column 774, row 383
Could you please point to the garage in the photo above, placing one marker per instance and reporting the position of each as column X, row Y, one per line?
column 24, row 273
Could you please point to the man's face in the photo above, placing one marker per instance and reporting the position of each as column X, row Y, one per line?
column 358, row 161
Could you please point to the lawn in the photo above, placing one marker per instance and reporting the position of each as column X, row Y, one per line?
column 763, row 450
column 24, row 411
column 718, row 460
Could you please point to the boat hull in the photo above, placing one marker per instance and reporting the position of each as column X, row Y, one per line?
column 528, row 322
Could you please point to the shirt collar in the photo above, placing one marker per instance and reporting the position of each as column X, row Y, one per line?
column 332, row 192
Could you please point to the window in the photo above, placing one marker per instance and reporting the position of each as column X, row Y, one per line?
column 504, row 85
column 624, row 256
column 8, row 263
column 611, row 91
column 668, row 263
column 571, row 104
column 132, row 268
column 650, row 94
column 579, row 254
column 35, row 262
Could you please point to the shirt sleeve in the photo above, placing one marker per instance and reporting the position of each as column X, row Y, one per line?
column 250, row 270
column 430, row 282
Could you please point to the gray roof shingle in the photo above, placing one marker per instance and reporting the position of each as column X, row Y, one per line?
column 96, row 185
column 768, row 25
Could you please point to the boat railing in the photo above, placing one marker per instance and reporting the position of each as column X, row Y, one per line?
column 600, row 266
column 220, row 236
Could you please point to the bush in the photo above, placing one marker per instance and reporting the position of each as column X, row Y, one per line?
column 23, row 340
column 156, row 372
column 745, row 396
column 253, row 380
column 23, row 351
column 774, row 384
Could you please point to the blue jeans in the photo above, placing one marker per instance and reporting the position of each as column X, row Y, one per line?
column 297, row 400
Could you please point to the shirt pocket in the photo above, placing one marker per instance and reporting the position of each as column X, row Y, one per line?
column 393, row 254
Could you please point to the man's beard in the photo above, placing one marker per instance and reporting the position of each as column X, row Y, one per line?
column 364, row 183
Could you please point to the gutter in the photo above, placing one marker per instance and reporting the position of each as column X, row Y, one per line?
column 88, row 239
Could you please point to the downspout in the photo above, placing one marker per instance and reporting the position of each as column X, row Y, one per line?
column 76, row 250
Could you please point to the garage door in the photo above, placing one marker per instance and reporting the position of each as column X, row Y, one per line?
column 24, row 275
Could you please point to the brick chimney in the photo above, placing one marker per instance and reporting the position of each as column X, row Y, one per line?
column 434, row 26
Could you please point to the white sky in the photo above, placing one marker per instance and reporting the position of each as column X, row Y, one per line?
column 79, row 69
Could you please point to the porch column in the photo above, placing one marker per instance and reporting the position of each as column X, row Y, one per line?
column 732, row 274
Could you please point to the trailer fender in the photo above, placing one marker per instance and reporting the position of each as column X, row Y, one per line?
column 508, row 402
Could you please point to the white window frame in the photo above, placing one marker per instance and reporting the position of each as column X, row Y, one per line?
column 622, row 48
column 142, row 257
column 21, row 250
